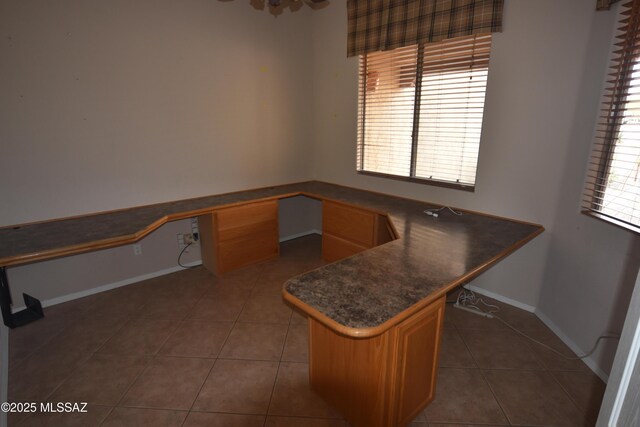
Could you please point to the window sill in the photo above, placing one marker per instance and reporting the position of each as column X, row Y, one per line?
column 434, row 182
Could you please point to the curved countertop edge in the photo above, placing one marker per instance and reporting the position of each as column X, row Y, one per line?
column 364, row 333
column 130, row 238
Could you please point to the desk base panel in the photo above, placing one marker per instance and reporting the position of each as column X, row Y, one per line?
column 384, row 381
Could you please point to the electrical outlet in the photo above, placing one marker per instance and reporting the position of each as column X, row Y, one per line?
column 189, row 239
column 137, row 249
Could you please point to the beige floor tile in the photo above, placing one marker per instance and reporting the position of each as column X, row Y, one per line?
column 92, row 418
column 139, row 337
column 53, row 355
column 465, row 320
column 551, row 360
column 25, row 340
column 168, row 308
column 302, row 422
column 87, row 335
column 521, row 319
column 465, row 425
column 265, row 309
column 292, row 395
column 533, row 398
column 136, row 417
column 585, row 389
column 197, row 338
column 219, row 308
column 169, row 383
column 122, row 302
column 102, row 380
column 238, row 386
column 41, row 374
column 453, row 351
column 463, row 396
column 208, row 419
column 499, row 349
column 298, row 317
column 255, row 341
column 296, row 347
column 306, row 248
column 271, row 286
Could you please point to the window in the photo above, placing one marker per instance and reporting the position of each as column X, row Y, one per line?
column 420, row 111
column 613, row 179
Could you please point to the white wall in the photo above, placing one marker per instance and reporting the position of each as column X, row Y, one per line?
column 298, row 216
column 113, row 104
column 121, row 103
column 109, row 105
column 66, row 278
column 546, row 72
column 59, row 279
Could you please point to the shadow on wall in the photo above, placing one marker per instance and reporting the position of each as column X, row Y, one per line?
column 281, row 5
column 625, row 289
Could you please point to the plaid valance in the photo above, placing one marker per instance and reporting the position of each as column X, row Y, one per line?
column 604, row 4
column 376, row 25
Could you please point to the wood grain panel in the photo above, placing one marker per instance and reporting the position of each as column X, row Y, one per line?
column 232, row 233
column 244, row 215
column 247, row 250
column 417, row 357
column 334, row 248
column 351, row 374
column 383, row 381
column 384, row 233
column 206, row 229
column 349, row 223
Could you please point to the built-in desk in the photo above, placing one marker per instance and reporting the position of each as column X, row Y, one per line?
column 375, row 317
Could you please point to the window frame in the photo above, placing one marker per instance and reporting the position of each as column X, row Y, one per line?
column 361, row 143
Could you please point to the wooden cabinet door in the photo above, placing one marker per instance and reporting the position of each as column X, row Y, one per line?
column 417, row 357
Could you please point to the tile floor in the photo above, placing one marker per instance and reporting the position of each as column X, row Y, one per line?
column 189, row 350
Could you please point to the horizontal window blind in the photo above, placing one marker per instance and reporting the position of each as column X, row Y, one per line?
column 420, row 110
column 612, row 191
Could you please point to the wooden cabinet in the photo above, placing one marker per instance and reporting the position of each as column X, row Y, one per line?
column 384, row 381
column 416, row 367
column 237, row 236
column 347, row 230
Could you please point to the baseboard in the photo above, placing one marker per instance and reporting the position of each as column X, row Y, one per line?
column 128, row 281
column 589, row 361
column 109, row 286
column 304, row 233
column 498, row 297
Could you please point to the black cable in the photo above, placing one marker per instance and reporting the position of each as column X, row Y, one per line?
column 180, row 256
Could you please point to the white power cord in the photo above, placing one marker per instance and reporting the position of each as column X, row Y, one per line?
column 434, row 212
column 468, row 301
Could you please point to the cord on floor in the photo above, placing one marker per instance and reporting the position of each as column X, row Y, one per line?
column 468, row 300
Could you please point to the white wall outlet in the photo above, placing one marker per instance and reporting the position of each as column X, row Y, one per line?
column 137, row 249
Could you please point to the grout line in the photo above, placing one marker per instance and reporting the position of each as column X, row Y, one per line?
column 484, row 378
column 571, row 399
column 149, row 359
column 273, row 389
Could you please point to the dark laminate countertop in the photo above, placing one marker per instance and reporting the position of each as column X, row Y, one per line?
column 359, row 295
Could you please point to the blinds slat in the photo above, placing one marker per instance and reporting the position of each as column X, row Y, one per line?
column 612, row 186
column 452, row 81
